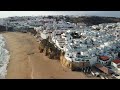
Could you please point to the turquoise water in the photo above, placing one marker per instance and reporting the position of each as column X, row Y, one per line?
column 4, row 58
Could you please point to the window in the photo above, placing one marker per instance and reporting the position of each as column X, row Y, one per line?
column 118, row 66
column 102, row 63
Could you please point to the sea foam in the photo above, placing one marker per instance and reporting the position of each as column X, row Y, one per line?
column 4, row 58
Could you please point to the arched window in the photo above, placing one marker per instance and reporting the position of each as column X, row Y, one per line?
column 106, row 62
column 102, row 62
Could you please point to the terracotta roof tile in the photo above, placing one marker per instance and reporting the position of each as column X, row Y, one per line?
column 116, row 61
column 104, row 58
column 102, row 68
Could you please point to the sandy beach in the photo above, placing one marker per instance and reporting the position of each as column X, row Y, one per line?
column 27, row 63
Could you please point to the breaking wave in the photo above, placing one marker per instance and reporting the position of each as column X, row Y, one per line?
column 4, row 58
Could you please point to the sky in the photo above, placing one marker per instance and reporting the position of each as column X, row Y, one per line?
column 4, row 14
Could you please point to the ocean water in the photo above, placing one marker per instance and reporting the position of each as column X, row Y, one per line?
column 4, row 58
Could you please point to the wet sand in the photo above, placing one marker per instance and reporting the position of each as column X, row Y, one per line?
column 27, row 63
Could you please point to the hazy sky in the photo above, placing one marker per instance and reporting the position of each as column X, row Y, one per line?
column 37, row 13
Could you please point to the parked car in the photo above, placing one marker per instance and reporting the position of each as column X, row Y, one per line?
column 97, row 74
column 93, row 73
column 102, row 77
column 105, row 77
column 115, row 76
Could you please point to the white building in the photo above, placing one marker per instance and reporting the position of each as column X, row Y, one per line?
column 104, row 60
column 116, row 65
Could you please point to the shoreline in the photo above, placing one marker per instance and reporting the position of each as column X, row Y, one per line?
column 6, row 56
column 7, row 48
column 19, row 66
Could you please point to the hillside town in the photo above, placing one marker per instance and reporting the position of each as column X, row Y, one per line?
column 91, row 49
